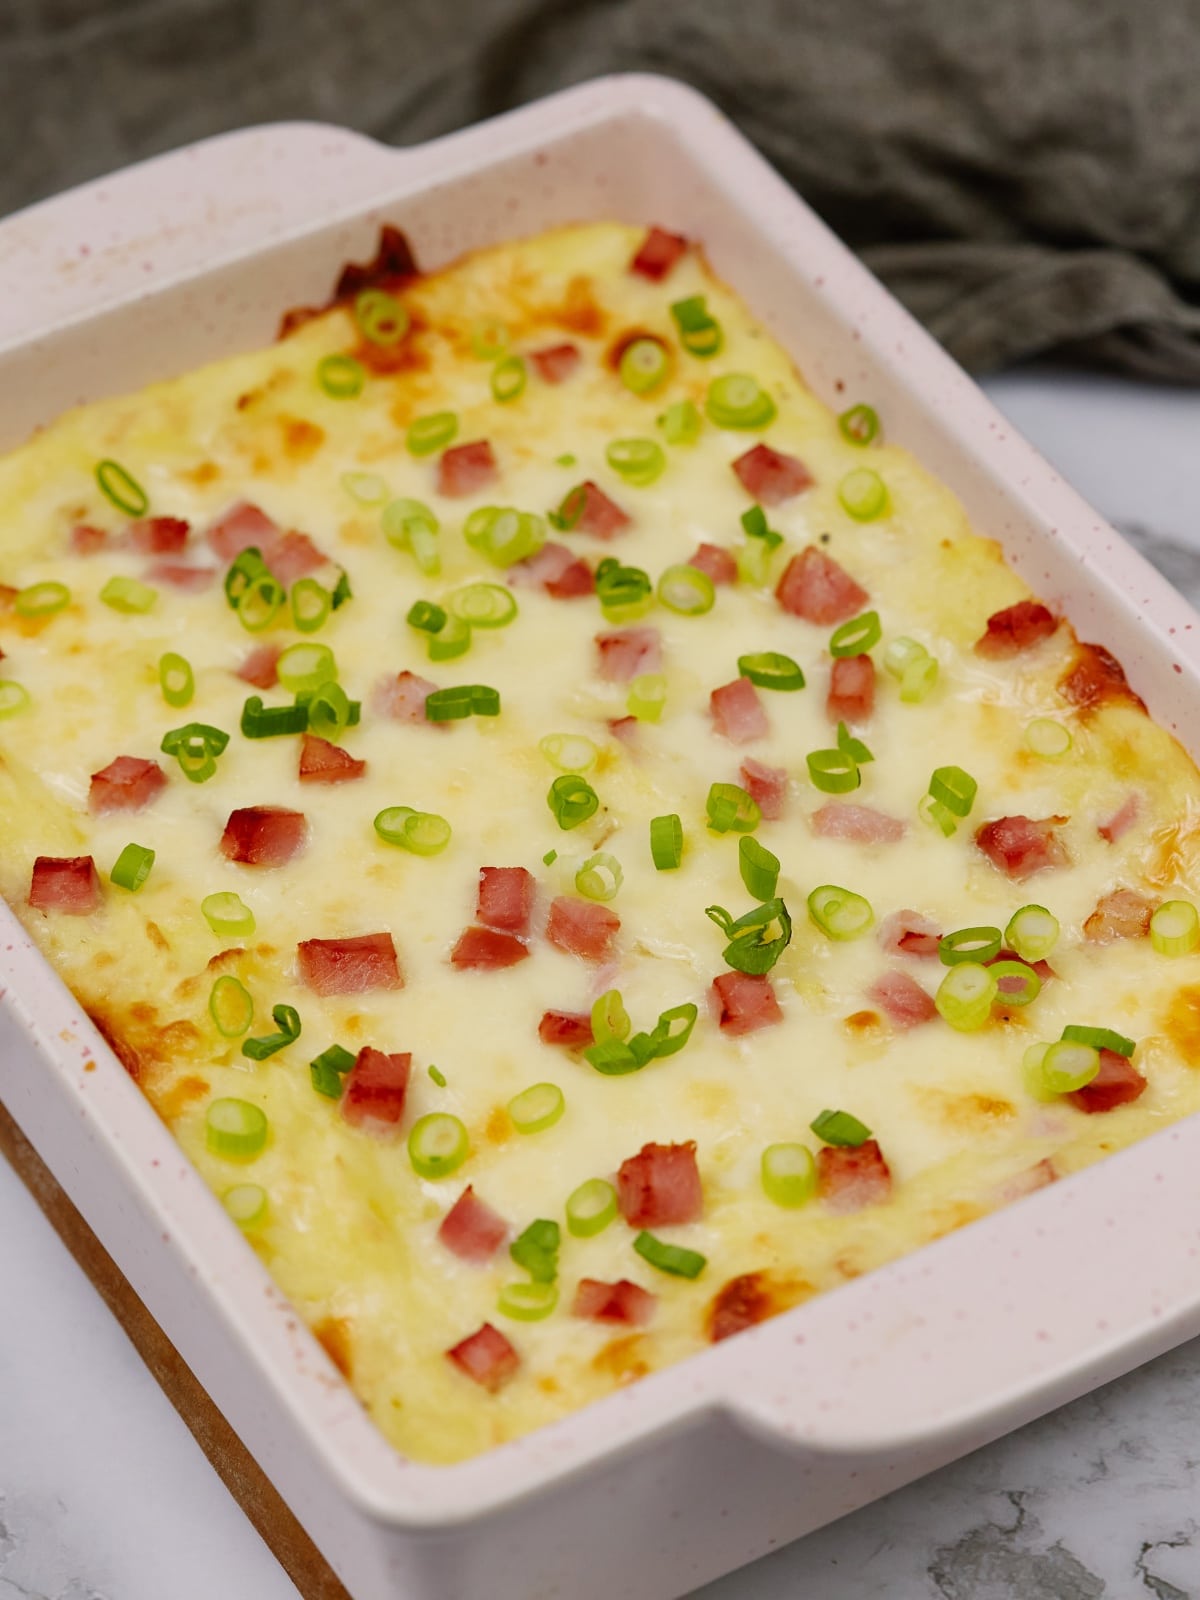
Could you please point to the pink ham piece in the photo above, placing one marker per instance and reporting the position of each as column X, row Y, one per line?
column 126, row 784
column 1121, row 914
column 660, row 1186
column 322, row 762
column 1039, row 1176
column 743, row 1002
column 465, row 469
column 264, row 836
column 403, row 699
column 572, row 582
column 487, row 950
column 599, row 516
column 1124, row 818
column 1015, row 629
column 557, row 570
column 902, row 999
column 487, row 1357
column 555, row 363
column 851, row 695
column 505, row 898
column 582, row 928
column 908, row 933
column 349, row 966
column 375, row 1088
column 737, row 713
column 766, row 786
column 259, row 667
column 657, row 254
column 1116, row 1084
column 293, row 556
column 770, row 476
column 1014, row 984
column 814, row 587
column 840, row 819
column 86, row 540
column 1021, row 846
column 626, row 730
column 628, row 652
column 849, row 1179
column 471, row 1229
column 242, row 526
column 571, row 1029
column 178, row 575
column 622, row 1302
column 65, row 883
column 159, row 536
column 716, row 563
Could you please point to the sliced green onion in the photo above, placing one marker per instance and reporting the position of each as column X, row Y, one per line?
column 571, row 508
column 965, row 995
column 176, row 680
column 937, row 815
column 426, row 617
column 680, row 423
column 328, row 1071
column 644, row 365
column 438, row 1145
column 572, row 800
column 196, row 748
column 863, row 494
column 917, row 679
column 754, row 523
column 508, row 379
column 1175, row 928
column 451, row 640
column 639, row 461
column 566, row 460
column 231, row 1007
column 969, row 944
column 503, row 534
column 840, row 913
column 954, row 789
column 430, row 433
column 260, row 603
column 246, row 1203
column 738, row 401
column 331, row 712
column 789, row 1174
column 1048, row 739
column 306, row 666
column 1068, row 1065
column 672, row 1258
column 484, row 605
column 647, row 696
column 757, row 939
column 271, row 722
column 686, row 590
column 14, row 698
column 527, row 1302
column 341, row 591
column 438, row 1076
column 128, row 595
column 536, row 1249
column 411, row 525
column 247, row 565
column 537, row 1107
column 859, row 425
column 852, row 747
column 368, row 488
column 423, row 833
column 550, row 858
column 132, row 867
column 610, row 1020
column 591, row 1208
column 121, row 488
column 759, row 868
column 1099, row 1038
column 666, row 841
column 466, row 700
column 669, row 1034
column 235, row 1129
column 1006, row 973
column 311, row 603
column 731, row 809
column 42, row 599
column 287, row 1022
column 489, row 338
column 600, row 877
column 833, row 771
column 767, row 669
column 227, row 915
column 1035, row 1083
column 1033, row 932
column 382, row 319
column 699, row 332
column 901, row 653
column 614, row 1058
column 840, row 1128
column 623, row 592
column 341, row 376
column 856, row 637
column 569, row 752
column 753, row 562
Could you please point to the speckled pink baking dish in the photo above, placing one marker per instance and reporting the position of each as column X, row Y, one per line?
column 746, row 1446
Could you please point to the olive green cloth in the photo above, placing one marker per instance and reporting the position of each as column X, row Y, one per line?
column 1025, row 174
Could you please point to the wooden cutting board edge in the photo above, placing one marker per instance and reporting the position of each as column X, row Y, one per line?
column 232, row 1462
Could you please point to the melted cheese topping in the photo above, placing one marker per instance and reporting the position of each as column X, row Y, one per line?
column 351, row 1230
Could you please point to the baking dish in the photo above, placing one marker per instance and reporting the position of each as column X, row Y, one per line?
column 765, row 1437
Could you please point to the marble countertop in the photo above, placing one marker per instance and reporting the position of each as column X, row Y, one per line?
column 104, row 1495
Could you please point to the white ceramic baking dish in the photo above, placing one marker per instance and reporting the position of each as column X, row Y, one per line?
column 704, row 1466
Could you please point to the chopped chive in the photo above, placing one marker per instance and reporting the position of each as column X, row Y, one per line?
column 754, row 525
column 833, row 771
column 610, row 1020
column 1047, row 739
column 132, row 867
column 1060, row 1068
column 759, row 868
column 623, row 592
column 467, row 700
column 341, row 591
column 235, row 1129
column 341, row 376
column 731, row 810
column 1032, row 932
column 311, row 603
column 569, row 752
column 672, row 1258
column 484, row 605
column 327, row 1071
column 572, row 800
column 196, row 747
column 120, row 487
column 852, row 747
column 666, row 841
column 227, row 915
column 699, row 332
column 287, row 1023
column 600, row 877
column 567, row 460
column 508, row 379
column 537, row 1108
column 527, row 1302
column 176, row 680
column 1018, row 984
column 591, row 1208
column 757, row 939
column 644, row 365
column 918, row 678
column 937, row 816
column 840, row 913
column 1099, row 1039
column 680, row 423
column 437, row 1075
column 245, row 567
column 550, row 858
column 128, row 595
column 863, row 494
column 738, row 401
column 969, row 944
column 859, row 425
column 503, row 534
column 686, row 590
column 900, row 653
column 965, row 995
column 42, row 599
column 423, row 833
column 767, row 669
column 260, row 602
column 789, row 1174
column 432, row 432
column 411, row 525
column 536, row 1250
column 269, row 722
column 305, row 666
column 840, row 1128
column 246, row 1203
column 647, row 696
column 368, row 488
column 231, row 1007
column 640, row 462
column 331, row 711
column 14, row 698
column 382, row 319
column 1175, row 928
column 856, row 637
column 955, row 789
column 451, row 640
column 426, row 617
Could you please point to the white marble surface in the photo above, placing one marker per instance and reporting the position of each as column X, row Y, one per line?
column 104, row 1496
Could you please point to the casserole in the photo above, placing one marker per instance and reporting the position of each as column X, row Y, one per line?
column 800, row 1420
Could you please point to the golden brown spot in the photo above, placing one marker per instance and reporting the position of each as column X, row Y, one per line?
column 301, row 439
column 1172, row 852
column 580, row 312
column 225, row 958
column 862, row 1022
column 175, row 1101
column 749, row 1299
column 499, row 1126
column 120, row 1047
column 156, row 936
column 89, row 1065
column 251, row 397
column 1182, row 1023
column 848, row 1268
column 549, row 1385
column 622, row 1359
column 952, row 1216
column 1096, row 678
column 966, row 1113
column 333, row 1335
column 103, row 958
column 143, row 1011
column 206, row 472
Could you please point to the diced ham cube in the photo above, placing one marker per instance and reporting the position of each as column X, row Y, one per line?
column 264, row 836
column 737, row 712
column 471, row 1229
column 349, row 966
column 1121, row 914
column 1021, row 846
column 770, row 476
column 766, row 786
column 657, row 254
column 487, row 950
column 1116, row 1084
column 322, row 762
column 178, row 575
column 505, row 898
column 466, row 469
column 582, row 928
column 86, row 540
column 849, row 1179
column 909, row 933
column 1124, row 818
column 403, row 699
column 375, row 1087
column 814, row 587
column 159, row 536
column 487, row 1357
column 1015, row 629
column 126, row 784
column 293, row 556
column 555, row 363
column 628, row 652
column 622, row 1302
column 557, row 570
column 743, row 1002
column 716, row 562
column 242, row 526
column 660, row 1186
column 572, row 582
column 626, row 730
column 65, row 883
column 572, row 1029
column 902, row 999
column 851, row 695
column 841, row 819
column 259, row 667
column 599, row 516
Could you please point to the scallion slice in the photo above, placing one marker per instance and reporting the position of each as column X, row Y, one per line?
column 536, row 1249
column 647, row 696
column 451, row 640
column 550, row 857
column 247, row 565
column 954, row 789
column 341, row 376
column 227, row 915
column 382, row 319
column 503, row 534
column 410, row 525
column 731, row 809
column 42, row 599
column 1047, row 739
column 1175, row 928
column 508, row 379
column 328, row 1071
column 14, row 698
column 432, row 432
column 672, row 1258
column 644, row 365
column 1017, row 983
column 438, row 1145
column 840, row 1128
column 489, row 338
column 623, row 592
column 1032, row 932
column 686, row 590
column 965, row 996
column 231, row 1007
column 341, row 591
column 591, row 1208
column 128, row 595
column 918, row 678
column 287, row 1022
column 537, row 1108
column 1099, row 1038
column 368, row 488
column 465, row 700
column 306, row 666
column 246, row 1203
column 600, row 877
column 863, row 494
column 120, row 487
column 757, row 939
column 840, row 913
column 680, row 423
column 859, row 424
column 527, row 1302
column 937, row 816
column 856, row 637
column 759, row 868
column 1064, row 1067
column 767, row 669
column 426, row 617
column 789, row 1174
column 572, row 800
column 833, row 771
column 610, row 1020
column 969, row 944
column 852, row 747
column 271, row 722
column 754, row 525
column 176, row 680
column 235, row 1129
column 738, row 401
column 132, row 867
column 260, row 602
column 331, row 711
column 484, row 605
column 423, row 833
column 699, row 331
column 196, row 747
column 569, row 752
column 438, row 1076
column 311, row 603
column 639, row 461
column 666, row 841
column 901, row 653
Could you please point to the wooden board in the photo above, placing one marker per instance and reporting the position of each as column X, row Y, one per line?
column 234, row 1464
